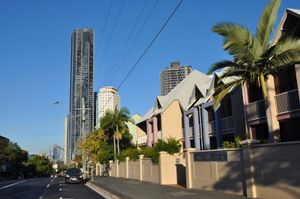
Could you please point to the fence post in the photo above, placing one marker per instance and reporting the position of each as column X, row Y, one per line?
column 249, row 167
column 126, row 167
column 188, row 167
column 141, row 166
column 117, row 168
column 110, row 163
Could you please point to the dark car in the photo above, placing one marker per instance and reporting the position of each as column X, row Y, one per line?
column 74, row 175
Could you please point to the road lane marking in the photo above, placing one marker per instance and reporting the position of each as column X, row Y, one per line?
column 60, row 189
column 48, row 185
column 10, row 185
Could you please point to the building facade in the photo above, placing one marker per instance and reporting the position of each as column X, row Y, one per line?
column 108, row 98
column 67, row 152
column 171, row 76
column 81, row 86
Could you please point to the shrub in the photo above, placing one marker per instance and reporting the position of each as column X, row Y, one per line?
column 235, row 144
column 132, row 153
column 170, row 146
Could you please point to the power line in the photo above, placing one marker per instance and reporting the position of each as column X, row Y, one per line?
column 146, row 50
column 111, row 34
column 150, row 44
column 104, row 26
column 127, row 39
column 136, row 38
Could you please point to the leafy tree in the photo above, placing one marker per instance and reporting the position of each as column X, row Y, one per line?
column 253, row 59
column 96, row 146
column 13, row 157
column 40, row 166
column 91, row 144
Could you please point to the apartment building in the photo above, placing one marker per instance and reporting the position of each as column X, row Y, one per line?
column 171, row 76
column 108, row 98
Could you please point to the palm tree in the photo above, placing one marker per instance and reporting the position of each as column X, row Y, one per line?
column 113, row 123
column 253, row 58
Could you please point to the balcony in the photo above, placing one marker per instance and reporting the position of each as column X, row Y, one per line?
column 256, row 112
column 287, row 102
column 226, row 125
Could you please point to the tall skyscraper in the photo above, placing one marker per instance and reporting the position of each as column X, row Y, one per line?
column 171, row 76
column 81, row 116
column 108, row 98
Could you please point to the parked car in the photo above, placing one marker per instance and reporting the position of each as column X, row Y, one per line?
column 74, row 175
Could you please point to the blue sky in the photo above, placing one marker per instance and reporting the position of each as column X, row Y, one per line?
column 35, row 54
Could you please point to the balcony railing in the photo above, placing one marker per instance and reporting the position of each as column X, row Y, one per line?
column 256, row 110
column 226, row 125
column 142, row 140
column 159, row 135
column 287, row 101
column 211, row 127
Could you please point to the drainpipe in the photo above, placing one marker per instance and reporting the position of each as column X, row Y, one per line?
column 186, row 131
column 196, row 128
column 218, row 128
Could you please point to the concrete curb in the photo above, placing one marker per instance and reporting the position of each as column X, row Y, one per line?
column 101, row 191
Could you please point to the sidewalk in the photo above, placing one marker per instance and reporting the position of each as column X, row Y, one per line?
column 134, row 189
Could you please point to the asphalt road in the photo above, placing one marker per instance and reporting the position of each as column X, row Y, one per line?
column 46, row 188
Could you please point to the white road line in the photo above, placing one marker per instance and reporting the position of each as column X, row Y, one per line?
column 10, row 185
column 101, row 191
column 48, row 185
column 60, row 189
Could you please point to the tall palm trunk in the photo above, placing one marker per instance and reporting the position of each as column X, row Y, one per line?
column 114, row 146
column 118, row 140
column 118, row 145
column 268, row 108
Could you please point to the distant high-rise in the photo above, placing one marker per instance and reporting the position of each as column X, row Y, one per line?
column 67, row 154
column 81, row 116
column 108, row 98
column 171, row 76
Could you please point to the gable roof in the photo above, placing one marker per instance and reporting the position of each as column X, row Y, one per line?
column 195, row 83
column 278, row 32
column 293, row 11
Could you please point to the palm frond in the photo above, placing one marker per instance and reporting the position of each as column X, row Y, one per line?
column 222, row 90
column 287, row 58
column 237, row 39
column 266, row 23
column 285, row 44
column 239, row 72
column 221, row 64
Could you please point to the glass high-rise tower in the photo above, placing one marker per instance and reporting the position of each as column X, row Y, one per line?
column 81, row 109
